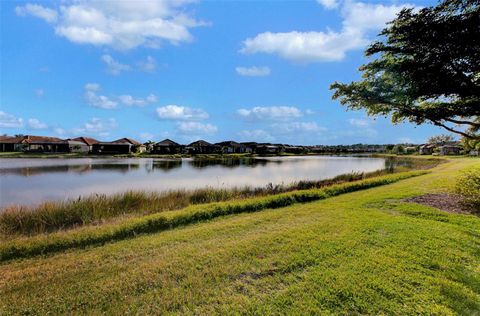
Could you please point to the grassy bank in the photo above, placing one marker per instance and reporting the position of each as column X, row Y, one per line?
column 167, row 220
column 366, row 252
column 97, row 209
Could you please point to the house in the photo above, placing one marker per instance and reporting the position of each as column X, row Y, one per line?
column 134, row 145
column 426, row 149
column 167, row 146
column 86, row 141
column 231, row 147
column 449, row 150
column 76, row 146
column 119, row 146
column 201, row 147
column 7, row 143
column 268, row 149
column 250, row 147
column 43, row 144
column 294, row 149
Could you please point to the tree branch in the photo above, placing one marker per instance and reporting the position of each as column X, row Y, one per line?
column 462, row 122
column 454, row 131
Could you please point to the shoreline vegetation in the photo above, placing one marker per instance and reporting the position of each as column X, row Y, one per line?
column 97, row 209
column 97, row 235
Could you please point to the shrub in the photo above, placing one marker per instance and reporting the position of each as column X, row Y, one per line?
column 468, row 186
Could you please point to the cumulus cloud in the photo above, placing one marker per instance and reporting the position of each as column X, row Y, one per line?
column 94, row 99
column 181, row 113
column 196, row 128
column 258, row 135
column 316, row 46
column 270, row 113
column 120, row 24
column 49, row 15
column 10, row 121
column 34, row 123
column 113, row 66
column 253, row 71
column 96, row 126
column 128, row 100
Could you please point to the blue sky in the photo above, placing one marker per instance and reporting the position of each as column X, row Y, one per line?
column 216, row 70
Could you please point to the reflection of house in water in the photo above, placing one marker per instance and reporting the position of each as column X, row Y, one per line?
column 230, row 162
column 166, row 165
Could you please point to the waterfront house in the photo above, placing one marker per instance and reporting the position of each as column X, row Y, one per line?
column 231, row 147
column 449, row 149
column 426, row 149
column 294, row 149
column 201, row 147
column 268, row 149
column 134, row 145
column 167, row 146
column 250, row 147
column 7, row 143
column 43, row 144
column 119, row 146
column 76, row 146
column 87, row 141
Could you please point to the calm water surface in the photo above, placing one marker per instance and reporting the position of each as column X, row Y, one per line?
column 31, row 181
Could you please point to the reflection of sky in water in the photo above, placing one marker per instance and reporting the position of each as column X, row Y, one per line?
column 29, row 181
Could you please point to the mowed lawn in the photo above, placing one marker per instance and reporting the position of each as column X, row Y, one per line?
column 365, row 252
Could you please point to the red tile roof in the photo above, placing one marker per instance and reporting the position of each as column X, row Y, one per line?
column 87, row 140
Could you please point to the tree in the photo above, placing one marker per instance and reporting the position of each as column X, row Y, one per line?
column 427, row 69
column 440, row 139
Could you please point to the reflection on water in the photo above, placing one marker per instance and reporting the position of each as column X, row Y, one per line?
column 30, row 181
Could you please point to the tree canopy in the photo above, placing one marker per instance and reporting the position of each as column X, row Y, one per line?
column 426, row 69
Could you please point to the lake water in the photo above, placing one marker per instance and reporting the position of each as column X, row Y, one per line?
column 31, row 181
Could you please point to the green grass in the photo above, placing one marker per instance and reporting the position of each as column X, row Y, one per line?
column 166, row 220
column 364, row 252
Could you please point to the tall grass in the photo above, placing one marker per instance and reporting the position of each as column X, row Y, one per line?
column 87, row 236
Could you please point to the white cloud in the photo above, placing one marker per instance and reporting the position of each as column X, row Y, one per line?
column 34, row 123
column 196, row 128
column 181, row 113
column 99, row 101
column 257, row 135
column 96, row 126
column 128, row 100
column 39, row 92
column 119, row 24
column 328, row 4
column 148, row 65
column 297, row 127
column 359, row 122
column 270, row 113
column 318, row 46
column 47, row 14
column 113, row 66
column 253, row 71
column 10, row 121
